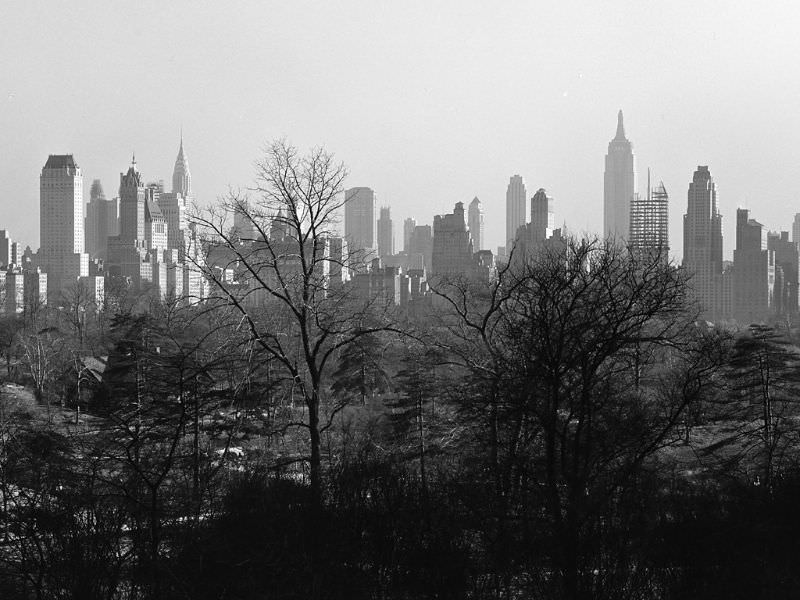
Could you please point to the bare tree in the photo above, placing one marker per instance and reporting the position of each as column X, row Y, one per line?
column 44, row 358
column 80, row 307
column 569, row 353
column 277, row 275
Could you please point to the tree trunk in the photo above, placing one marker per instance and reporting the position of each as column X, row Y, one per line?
column 316, row 495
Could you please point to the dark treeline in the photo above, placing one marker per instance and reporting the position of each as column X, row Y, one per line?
column 569, row 430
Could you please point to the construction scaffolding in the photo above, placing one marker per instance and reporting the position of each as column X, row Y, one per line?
column 649, row 224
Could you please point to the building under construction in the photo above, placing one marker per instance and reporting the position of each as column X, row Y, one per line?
column 649, row 226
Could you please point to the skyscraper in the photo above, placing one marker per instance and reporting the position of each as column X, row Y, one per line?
column 408, row 231
column 61, row 253
column 421, row 243
column 173, row 204
column 385, row 233
column 619, row 184
column 5, row 249
column 102, row 221
column 796, row 229
column 137, row 252
column 516, row 201
column 702, row 242
column 787, row 274
column 532, row 237
column 649, row 227
column 452, row 246
column 475, row 220
column 543, row 220
column 182, row 252
column 359, row 220
column 753, row 271
column 181, row 177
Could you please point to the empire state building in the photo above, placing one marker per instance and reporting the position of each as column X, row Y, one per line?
column 620, row 185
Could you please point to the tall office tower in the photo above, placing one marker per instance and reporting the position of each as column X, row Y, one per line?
column 533, row 235
column 619, row 185
column 385, row 233
column 337, row 268
column 475, row 220
column 137, row 251
column 787, row 274
column 543, row 218
column 421, row 243
column 452, row 246
column 173, row 205
column 16, row 254
column 132, row 198
column 796, row 229
column 182, row 251
column 102, row 221
column 408, row 231
column 181, row 177
column 702, row 243
column 649, row 227
column 753, row 271
column 61, row 253
column 516, row 201
column 359, row 221
column 5, row 249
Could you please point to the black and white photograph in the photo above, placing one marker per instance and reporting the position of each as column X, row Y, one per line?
column 371, row 300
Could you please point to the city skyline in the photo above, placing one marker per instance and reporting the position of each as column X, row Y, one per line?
column 552, row 127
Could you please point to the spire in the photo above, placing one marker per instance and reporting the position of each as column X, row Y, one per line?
column 181, row 177
column 133, row 161
column 620, row 127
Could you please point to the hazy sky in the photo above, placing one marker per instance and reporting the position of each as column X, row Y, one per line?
column 429, row 103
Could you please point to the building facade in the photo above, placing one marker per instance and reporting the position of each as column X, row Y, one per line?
column 516, row 204
column 6, row 258
column 702, row 243
column 543, row 219
column 385, row 228
column 475, row 220
column 102, row 221
column 619, row 185
column 452, row 246
column 61, row 252
column 753, row 271
column 421, row 244
column 360, row 226
column 408, row 231
column 787, row 275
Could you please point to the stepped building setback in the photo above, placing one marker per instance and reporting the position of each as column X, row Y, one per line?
column 155, row 247
column 619, row 185
column 702, row 243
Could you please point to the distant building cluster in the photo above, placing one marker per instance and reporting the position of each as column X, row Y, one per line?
column 154, row 246
column 761, row 283
column 142, row 237
column 449, row 249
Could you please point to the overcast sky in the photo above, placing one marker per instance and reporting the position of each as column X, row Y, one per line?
column 429, row 103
